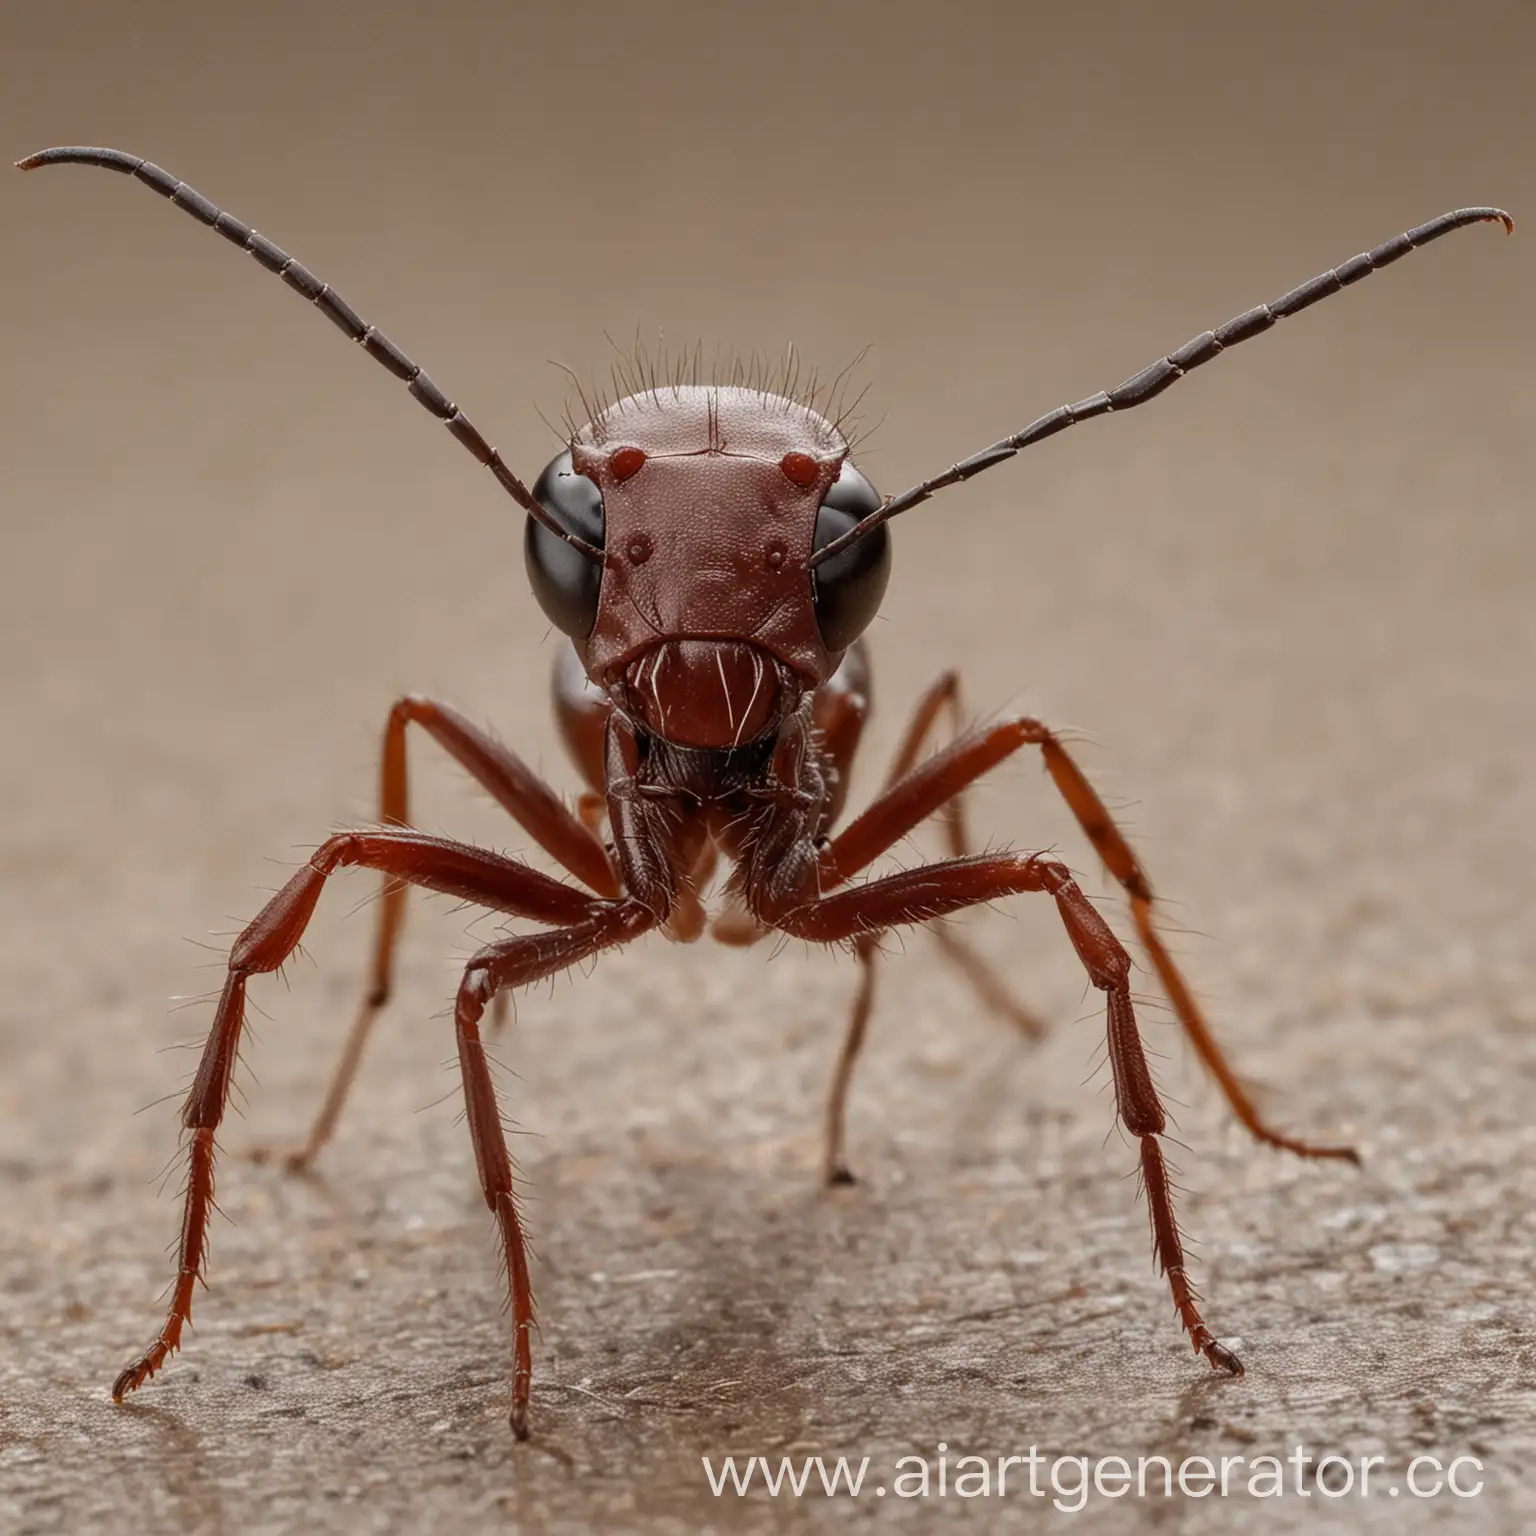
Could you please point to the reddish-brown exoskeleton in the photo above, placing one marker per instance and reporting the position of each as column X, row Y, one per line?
column 714, row 556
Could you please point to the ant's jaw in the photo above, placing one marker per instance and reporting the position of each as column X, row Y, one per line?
column 706, row 693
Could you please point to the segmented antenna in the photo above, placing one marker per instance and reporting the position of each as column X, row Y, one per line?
column 330, row 303
column 1154, row 379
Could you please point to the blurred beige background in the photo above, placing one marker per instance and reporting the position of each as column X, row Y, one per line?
column 1289, row 602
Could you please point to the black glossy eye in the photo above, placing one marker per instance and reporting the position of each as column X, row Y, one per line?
column 847, row 588
column 563, row 579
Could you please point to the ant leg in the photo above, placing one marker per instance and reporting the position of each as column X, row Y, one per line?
column 935, row 890
column 986, row 983
column 493, row 971
column 1110, row 844
column 592, row 812
column 535, row 807
column 472, row 874
column 840, row 709
column 840, row 722
column 943, row 697
column 923, row 791
column 835, row 1169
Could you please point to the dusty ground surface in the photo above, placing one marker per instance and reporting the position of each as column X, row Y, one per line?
column 1290, row 603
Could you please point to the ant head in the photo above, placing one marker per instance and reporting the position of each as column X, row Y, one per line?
column 708, row 503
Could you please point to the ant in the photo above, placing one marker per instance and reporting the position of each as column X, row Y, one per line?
column 714, row 556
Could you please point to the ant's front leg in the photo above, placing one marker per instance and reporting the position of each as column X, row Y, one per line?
column 455, row 869
column 520, row 792
column 936, row 890
column 496, row 969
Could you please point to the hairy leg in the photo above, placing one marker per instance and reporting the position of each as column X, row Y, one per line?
column 835, row 1169
column 455, row 869
column 937, row 780
column 531, row 803
column 935, row 890
column 494, row 970
column 941, row 698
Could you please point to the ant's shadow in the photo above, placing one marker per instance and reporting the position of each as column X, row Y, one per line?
column 752, row 1317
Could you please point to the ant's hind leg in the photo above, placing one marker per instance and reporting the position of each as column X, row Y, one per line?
column 536, row 807
column 1121, row 861
column 925, row 790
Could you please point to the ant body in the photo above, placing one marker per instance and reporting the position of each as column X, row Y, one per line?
column 714, row 556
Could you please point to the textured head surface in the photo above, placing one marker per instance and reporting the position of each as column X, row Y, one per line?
column 709, row 538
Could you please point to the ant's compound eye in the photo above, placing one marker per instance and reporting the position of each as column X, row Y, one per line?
column 847, row 588
column 563, row 579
